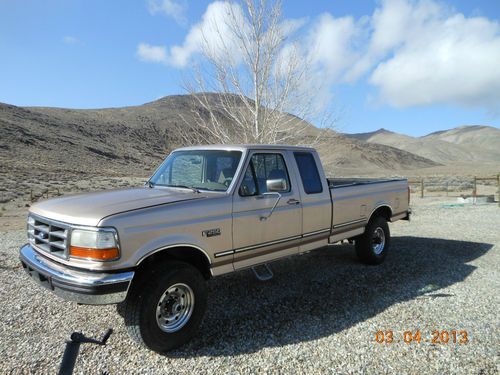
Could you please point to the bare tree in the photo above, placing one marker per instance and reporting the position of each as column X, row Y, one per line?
column 253, row 85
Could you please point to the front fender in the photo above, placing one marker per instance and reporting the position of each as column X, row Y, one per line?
column 166, row 242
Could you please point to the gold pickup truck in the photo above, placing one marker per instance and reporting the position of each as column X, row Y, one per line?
column 206, row 211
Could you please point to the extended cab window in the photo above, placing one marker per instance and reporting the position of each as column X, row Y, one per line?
column 263, row 167
column 308, row 172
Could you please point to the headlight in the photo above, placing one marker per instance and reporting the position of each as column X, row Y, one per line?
column 98, row 244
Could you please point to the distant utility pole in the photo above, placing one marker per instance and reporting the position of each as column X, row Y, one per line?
column 498, row 188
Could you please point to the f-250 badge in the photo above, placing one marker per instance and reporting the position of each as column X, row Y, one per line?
column 211, row 232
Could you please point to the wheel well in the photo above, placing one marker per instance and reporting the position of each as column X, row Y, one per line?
column 187, row 254
column 382, row 211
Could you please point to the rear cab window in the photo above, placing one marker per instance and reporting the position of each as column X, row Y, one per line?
column 308, row 172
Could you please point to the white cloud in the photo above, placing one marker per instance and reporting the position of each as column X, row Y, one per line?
column 68, row 39
column 157, row 54
column 173, row 8
column 325, row 52
column 440, row 57
column 329, row 44
column 415, row 52
column 212, row 31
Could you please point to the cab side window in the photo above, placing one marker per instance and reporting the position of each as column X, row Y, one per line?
column 263, row 167
column 308, row 172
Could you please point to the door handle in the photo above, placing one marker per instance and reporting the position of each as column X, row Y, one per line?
column 293, row 201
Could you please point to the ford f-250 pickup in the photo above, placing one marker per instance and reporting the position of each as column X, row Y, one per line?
column 205, row 212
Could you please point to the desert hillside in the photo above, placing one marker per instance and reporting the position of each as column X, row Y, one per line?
column 464, row 144
column 484, row 137
column 50, row 151
column 39, row 145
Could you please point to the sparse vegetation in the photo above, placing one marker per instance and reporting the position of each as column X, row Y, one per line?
column 141, row 137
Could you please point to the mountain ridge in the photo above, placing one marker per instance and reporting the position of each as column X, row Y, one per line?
column 464, row 143
column 134, row 139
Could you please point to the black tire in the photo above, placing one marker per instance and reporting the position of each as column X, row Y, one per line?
column 366, row 243
column 140, row 307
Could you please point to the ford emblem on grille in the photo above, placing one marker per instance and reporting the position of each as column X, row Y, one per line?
column 48, row 236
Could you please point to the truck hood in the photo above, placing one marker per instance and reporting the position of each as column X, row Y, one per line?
column 91, row 208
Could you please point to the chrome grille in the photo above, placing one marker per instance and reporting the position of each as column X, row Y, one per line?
column 48, row 236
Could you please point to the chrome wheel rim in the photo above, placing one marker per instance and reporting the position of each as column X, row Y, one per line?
column 378, row 241
column 175, row 307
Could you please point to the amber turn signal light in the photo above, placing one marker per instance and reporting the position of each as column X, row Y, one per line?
column 94, row 254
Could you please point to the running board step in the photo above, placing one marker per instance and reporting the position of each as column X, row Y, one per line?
column 264, row 273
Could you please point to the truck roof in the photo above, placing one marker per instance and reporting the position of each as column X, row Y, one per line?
column 242, row 147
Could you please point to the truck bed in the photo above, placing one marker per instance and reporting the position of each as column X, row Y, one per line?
column 344, row 182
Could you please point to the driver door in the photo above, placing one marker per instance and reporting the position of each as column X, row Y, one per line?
column 258, row 237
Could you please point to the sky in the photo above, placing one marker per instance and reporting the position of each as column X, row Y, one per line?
column 410, row 66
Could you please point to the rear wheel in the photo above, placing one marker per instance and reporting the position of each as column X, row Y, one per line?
column 165, row 306
column 373, row 244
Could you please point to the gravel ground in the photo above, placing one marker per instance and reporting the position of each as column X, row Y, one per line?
column 319, row 314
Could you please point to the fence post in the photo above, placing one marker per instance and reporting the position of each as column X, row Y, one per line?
column 422, row 188
column 498, row 186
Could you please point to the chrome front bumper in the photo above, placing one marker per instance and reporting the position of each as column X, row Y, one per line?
column 90, row 288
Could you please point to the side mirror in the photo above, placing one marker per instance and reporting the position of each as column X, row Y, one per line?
column 276, row 185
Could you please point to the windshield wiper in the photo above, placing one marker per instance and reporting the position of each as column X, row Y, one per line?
column 150, row 184
column 205, row 188
column 184, row 187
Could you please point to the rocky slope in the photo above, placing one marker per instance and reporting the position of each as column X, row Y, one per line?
column 133, row 140
column 464, row 144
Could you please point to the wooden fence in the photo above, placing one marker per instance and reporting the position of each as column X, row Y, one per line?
column 423, row 185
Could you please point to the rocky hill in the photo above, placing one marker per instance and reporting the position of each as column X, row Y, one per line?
column 481, row 138
column 464, row 144
column 133, row 141
column 45, row 152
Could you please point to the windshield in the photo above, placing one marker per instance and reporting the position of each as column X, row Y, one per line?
column 198, row 169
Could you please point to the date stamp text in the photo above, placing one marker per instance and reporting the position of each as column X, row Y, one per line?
column 437, row 337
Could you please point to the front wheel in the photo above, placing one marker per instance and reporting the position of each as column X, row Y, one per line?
column 165, row 307
column 373, row 244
